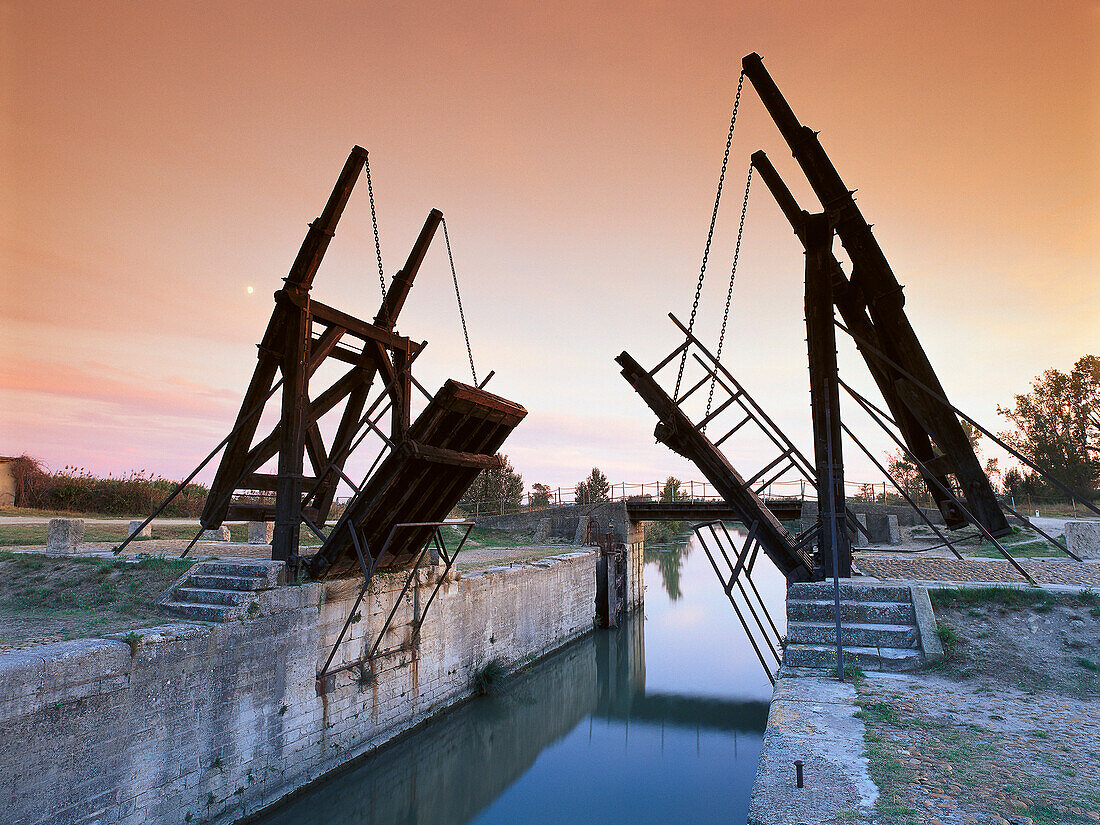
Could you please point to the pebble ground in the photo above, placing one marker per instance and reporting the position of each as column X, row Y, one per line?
column 947, row 753
column 1045, row 571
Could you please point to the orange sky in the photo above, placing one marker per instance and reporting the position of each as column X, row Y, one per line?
column 159, row 158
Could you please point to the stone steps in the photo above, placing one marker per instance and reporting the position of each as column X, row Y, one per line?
column 202, row 612
column 851, row 611
column 868, row 592
column 221, row 590
column 866, row 658
column 202, row 595
column 219, row 582
column 879, row 628
column 857, row 635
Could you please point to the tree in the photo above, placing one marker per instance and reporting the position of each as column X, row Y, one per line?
column 540, row 495
column 993, row 471
column 1053, row 423
column 671, row 490
column 973, row 435
column 866, row 493
column 593, row 489
column 906, row 473
column 1015, row 482
column 494, row 490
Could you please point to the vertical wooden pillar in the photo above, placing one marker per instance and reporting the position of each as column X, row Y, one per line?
column 288, row 486
column 824, row 397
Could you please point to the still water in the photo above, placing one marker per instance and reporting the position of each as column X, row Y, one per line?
column 658, row 722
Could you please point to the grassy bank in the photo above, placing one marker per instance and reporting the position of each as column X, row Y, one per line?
column 52, row 599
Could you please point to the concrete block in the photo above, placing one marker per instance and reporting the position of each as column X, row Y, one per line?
column 542, row 532
column 582, row 530
column 64, row 534
column 1083, row 538
column 217, row 534
column 930, row 642
column 260, row 532
column 883, row 528
column 141, row 532
column 858, row 537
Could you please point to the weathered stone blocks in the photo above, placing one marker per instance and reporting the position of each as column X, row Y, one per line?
column 542, row 532
column 64, row 535
column 138, row 531
column 211, row 722
column 217, row 534
column 260, row 532
column 883, row 528
column 1083, row 538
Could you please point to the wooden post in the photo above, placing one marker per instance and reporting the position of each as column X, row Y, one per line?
column 825, row 399
column 288, row 485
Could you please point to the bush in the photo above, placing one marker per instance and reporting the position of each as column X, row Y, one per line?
column 76, row 490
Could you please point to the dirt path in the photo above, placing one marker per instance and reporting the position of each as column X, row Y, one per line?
column 1006, row 730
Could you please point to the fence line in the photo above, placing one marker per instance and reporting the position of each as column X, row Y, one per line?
column 691, row 490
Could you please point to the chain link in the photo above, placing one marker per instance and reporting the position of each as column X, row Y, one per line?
column 710, row 232
column 374, row 223
column 729, row 294
column 461, row 314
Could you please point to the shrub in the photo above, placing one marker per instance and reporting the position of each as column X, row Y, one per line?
column 74, row 489
column 489, row 676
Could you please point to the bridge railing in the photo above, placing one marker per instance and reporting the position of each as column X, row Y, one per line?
column 689, row 491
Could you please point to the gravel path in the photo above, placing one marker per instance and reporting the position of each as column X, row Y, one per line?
column 951, row 752
column 1045, row 571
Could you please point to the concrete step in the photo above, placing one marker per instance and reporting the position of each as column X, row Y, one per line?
column 855, row 612
column 223, row 582
column 202, row 595
column 815, row 591
column 270, row 573
column 855, row 634
column 203, row 612
column 865, row 658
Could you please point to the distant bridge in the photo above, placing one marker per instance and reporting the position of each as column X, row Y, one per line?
column 785, row 509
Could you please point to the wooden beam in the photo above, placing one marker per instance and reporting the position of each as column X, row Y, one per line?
column 454, row 458
column 321, row 347
column 330, row 316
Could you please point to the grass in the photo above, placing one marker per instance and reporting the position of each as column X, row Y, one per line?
column 489, row 676
column 1011, row 598
column 948, row 637
column 15, row 535
column 31, row 535
column 486, row 537
column 65, row 598
column 1021, row 543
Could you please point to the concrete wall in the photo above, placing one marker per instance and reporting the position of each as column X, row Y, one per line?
column 565, row 519
column 907, row 517
column 208, row 723
column 7, row 482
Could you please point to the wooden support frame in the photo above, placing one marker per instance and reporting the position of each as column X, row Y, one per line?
column 873, row 287
column 835, row 551
column 291, row 346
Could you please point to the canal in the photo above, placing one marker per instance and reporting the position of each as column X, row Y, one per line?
column 659, row 721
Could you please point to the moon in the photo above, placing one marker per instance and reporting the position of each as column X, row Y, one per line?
column 249, row 290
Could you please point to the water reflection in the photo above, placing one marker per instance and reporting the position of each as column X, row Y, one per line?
column 660, row 721
column 669, row 559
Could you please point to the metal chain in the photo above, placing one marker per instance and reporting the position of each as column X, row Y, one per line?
column 461, row 314
column 710, row 232
column 374, row 223
column 729, row 294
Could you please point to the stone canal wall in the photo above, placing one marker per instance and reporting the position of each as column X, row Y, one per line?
column 211, row 722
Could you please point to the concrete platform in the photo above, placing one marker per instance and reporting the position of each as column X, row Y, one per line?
column 812, row 719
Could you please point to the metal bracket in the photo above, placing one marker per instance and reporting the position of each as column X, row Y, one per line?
column 325, row 680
